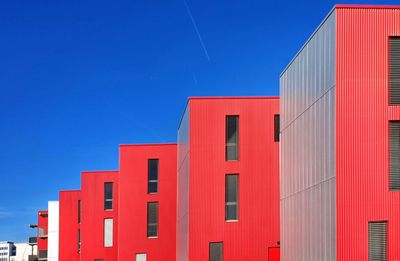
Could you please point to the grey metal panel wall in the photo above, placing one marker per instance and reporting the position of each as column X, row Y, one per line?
column 182, row 237
column 308, row 173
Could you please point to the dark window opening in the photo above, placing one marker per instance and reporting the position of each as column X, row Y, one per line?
column 79, row 211
column 394, row 70
column 231, row 197
column 79, row 240
column 377, row 241
column 276, row 127
column 394, row 155
column 216, row 251
column 152, row 186
column 232, row 138
column 108, row 195
column 152, row 219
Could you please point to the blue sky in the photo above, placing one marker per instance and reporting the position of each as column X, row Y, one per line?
column 78, row 78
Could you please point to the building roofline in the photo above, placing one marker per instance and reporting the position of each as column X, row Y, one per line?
column 360, row 6
column 222, row 98
column 148, row 144
column 97, row 171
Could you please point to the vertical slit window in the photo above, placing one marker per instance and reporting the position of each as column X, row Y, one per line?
column 79, row 211
column 108, row 196
column 79, row 240
column 276, row 127
column 108, row 232
column 216, row 251
column 231, row 196
column 152, row 219
column 394, row 70
column 394, row 155
column 232, row 138
column 152, row 186
column 377, row 241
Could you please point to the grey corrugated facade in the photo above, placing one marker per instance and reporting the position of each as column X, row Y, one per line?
column 182, row 226
column 308, row 175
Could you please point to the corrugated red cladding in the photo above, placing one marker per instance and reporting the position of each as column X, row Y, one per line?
column 43, row 222
column 363, row 116
column 134, row 198
column 257, row 229
column 93, row 215
column 69, row 225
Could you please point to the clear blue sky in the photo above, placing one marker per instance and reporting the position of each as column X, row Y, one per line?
column 78, row 78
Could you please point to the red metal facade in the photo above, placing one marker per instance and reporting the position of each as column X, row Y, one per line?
column 134, row 197
column 93, row 215
column 362, row 117
column 69, row 225
column 258, row 168
column 43, row 222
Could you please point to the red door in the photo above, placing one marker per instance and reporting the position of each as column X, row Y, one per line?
column 274, row 254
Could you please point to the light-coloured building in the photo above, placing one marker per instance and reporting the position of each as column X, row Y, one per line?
column 53, row 231
column 23, row 251
column 7, row 249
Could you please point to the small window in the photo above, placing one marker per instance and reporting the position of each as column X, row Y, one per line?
column 141, row 257
column 108, row 195
column 394, row 155
column 232, row 138
column 377, row 241
column 216, row 251
column 231, row 197
column 79, row 211
column 108, row 232
column 152, row 219
column 79, row 240
column 276, row 127
column 152, row 186
column 394, row 70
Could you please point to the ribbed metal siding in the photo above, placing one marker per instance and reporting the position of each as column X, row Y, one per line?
column 362, row 129
column 308, row 176
column 394, row 82
column 182, row 236
column 377, row 241
column 394, row 145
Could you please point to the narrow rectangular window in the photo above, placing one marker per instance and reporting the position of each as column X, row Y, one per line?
column 79, row 240
column 231, row 197
column 79, row 211
column 108, row 195
column 141, row 257
column 232, row 138
column 394, row 155
column 152, row 186
column 152, row 219
column 377, row 241
column 394, row 70
column 108, row 232
column 276, row 127
column 216, row 251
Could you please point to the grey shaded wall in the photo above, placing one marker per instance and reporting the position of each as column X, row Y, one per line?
column 182, row 226
column 308, row 175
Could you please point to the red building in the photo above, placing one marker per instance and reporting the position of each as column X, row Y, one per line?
column 228, row 179
column 42, row 234
column 340, row 138
column 99, row 215
column 69, row 226
column 147, row 204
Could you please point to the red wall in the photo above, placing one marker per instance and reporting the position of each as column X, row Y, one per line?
column 43, row 222
column 258, row 169
column 362, row 118
column 68, row 237
column 93, row 215
column 133, row 202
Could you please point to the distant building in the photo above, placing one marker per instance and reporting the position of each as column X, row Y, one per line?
column 24, row 252
column 42, row 234
column 7, row 249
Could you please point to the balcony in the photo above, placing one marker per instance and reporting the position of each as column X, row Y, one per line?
column 32, row 241
column 42, row 255
column 42, row 232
